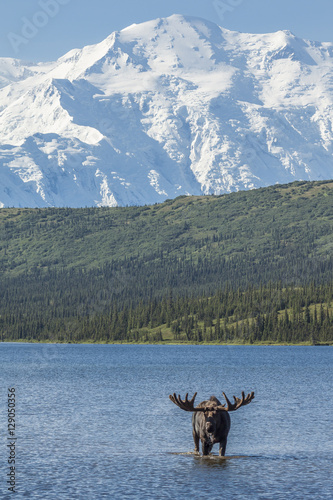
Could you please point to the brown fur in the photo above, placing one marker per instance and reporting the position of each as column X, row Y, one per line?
column 210, row 427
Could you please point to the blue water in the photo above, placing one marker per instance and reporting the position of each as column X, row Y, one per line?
column 95, row 421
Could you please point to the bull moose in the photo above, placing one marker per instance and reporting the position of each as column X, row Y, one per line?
column 211, row 420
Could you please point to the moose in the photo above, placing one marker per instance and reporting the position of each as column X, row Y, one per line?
column 211, row 420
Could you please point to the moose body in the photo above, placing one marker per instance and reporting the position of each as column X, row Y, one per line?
column 211, row 420
column 210, row 427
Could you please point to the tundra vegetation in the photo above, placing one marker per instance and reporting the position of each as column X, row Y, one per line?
column 247, row 267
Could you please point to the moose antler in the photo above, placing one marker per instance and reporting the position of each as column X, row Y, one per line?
column 238, row 402
column 187, row 405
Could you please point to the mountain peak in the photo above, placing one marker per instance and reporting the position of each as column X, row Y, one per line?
column 172, row 106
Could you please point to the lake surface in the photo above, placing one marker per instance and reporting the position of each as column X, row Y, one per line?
column 95, row 421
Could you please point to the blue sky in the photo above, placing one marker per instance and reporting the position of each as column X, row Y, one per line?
column 40, row 30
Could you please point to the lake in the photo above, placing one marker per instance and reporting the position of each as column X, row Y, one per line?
column 95, row 421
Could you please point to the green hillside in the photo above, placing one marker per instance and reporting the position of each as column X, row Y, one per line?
column 65, row 267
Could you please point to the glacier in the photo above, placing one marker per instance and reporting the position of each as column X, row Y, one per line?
column 173, row 106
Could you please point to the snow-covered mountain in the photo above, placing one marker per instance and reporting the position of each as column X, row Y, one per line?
column 168, row 107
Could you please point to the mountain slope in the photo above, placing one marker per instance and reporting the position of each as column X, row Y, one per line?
column 254, row 265
column 253, row 232
column 169, row 107
column 71, row 272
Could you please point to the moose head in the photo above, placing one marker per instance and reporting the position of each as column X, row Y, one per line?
column 211, row 420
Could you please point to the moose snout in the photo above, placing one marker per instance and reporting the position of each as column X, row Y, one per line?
column 210, row 427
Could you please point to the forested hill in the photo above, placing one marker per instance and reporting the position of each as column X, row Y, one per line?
column 82, row 263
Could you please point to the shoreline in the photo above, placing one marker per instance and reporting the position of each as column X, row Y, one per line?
column 173, row 343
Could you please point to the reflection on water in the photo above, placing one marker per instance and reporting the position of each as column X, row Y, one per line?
column 208, row 458
column 96, row 422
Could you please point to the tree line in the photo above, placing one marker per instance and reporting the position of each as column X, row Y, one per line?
column 266, row 313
